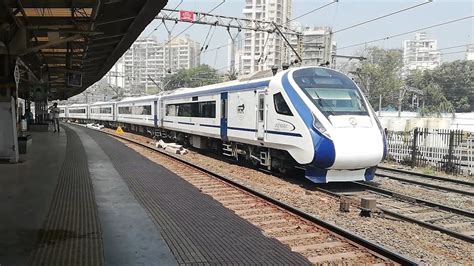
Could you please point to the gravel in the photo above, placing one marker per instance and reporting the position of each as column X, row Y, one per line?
column 428, row 171
column 451, row 199
column 422, row 244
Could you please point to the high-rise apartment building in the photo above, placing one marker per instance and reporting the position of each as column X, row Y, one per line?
column 262, row 50
column 146, row 62
column 317, row 46
column 420, row 54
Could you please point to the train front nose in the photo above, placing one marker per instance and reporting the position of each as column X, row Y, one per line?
column 357, row 148
column 355, row 152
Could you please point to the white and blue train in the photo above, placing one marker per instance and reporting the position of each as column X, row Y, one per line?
column 309, row 117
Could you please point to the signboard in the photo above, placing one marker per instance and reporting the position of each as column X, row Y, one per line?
column 17, row 74
column 186, row 16
column 74, row 80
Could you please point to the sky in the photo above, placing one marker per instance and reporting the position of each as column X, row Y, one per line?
column 340, row 15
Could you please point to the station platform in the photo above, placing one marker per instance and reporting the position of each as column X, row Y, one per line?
column 84, row 198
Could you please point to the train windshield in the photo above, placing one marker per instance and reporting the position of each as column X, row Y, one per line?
column 332, row 92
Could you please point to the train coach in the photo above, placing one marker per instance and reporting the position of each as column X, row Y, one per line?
column 102, row 111
column 310, row 117
column 78, row 111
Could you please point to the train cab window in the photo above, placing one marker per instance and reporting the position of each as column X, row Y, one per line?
column 281, row 107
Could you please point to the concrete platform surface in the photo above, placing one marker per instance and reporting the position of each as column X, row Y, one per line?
column 85, row 198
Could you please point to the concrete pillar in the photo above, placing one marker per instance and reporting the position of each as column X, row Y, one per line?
column 8, row 126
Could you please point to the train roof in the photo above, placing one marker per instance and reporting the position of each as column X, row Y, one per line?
column 141, row 98
column 214, row 87
column 78, row 105
column 101, row 103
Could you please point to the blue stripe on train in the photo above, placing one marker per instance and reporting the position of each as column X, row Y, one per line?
column 324, row 152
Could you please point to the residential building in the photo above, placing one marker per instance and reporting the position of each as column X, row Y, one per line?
column 115, row 76
column 316, row 44
column 262, row 50
column 420, row 54
column 147, row 62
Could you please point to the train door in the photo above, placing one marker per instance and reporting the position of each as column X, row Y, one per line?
column 224, row 115
column 161, row 116
column 261, row 116
column 155, row 113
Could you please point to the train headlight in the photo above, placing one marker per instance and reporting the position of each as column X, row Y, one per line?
column 319, row 126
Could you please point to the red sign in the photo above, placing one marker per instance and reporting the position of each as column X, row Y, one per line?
column 186, row 15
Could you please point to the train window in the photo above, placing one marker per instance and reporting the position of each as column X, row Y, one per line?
column 125, row 110
column 195, row 109
column 331, row 92
column 280, row 105
column 142, row 110
column 207, row 109
column 261, row 107
column 77, row 111
column 133, row 110
column 105, row 110
column 171, row 110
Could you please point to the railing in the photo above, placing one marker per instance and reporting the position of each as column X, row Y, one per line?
column 446, row 150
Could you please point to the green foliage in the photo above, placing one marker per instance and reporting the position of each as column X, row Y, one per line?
column 231, row 74
column 434, row 101
column 380, row 75
column 448, row 88
column 456, row 79
column 190, row 78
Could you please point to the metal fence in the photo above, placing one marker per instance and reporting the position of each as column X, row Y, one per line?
column 446, row 150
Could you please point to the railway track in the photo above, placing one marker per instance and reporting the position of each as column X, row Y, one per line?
column 436, row 182
column 452, row 221
column 319, row 241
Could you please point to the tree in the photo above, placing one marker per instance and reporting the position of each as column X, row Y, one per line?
column 194, row 77
column 232, row 74
column 448, row 88
column 456, row 79
column 379, row 75
column 434, row 100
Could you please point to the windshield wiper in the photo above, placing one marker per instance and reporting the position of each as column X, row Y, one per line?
column 320, row 101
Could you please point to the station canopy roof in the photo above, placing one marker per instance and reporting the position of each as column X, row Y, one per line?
column 69, row 45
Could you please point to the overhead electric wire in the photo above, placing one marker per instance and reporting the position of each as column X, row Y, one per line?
column 166, row 16
column 381, row 17
column 205, row 40
column 214, row 8
column 309, row 12
column 458, row 52
column 407, row 32
column 441, row 49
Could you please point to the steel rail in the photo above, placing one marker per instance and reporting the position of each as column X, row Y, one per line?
column 417, row 200
column 368, row 244
column 449, row 189
column 408, row 218
column 440, row 178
